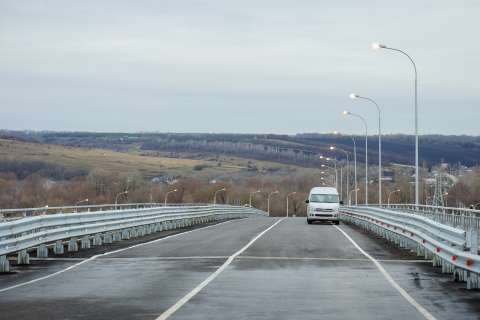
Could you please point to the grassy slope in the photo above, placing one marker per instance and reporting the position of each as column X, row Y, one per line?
column 119, row 162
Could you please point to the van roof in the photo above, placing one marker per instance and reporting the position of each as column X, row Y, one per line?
column 323, row 190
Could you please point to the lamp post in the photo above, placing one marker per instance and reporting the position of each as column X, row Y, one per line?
column 268, row 200
column 288, row 195
column 348, row 169
column 350, row 196
column 333, row 168
column 348, row 113
column 81, row 201
column 250, row 197
column 355, row 167
column 377, row 46
column 166, row 196
column 390, row 194
column 356, row 96
column 118, row 195
column 215, row 195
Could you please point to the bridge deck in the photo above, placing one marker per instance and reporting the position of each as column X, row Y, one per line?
column 293, row 271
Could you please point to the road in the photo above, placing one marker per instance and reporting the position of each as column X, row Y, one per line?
column 258, row 268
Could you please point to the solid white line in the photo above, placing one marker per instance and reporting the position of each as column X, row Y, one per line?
column 106, row 254
column 329, row 259
column 55, row 259
column 165, row 315
column 394, row 284
column 160, row 258
column 170, row 258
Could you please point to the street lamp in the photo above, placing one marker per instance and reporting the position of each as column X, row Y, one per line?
column 377, row 46
column 81, row 201
column 334, row 168
column 332, row 148
column 348, row 170
column 251, row 195
column 118, row 195
column 166, row 196
column 288, row 195
column 356, row 96
column 215, row 195
column 348, row 113
column 390, row 194
column 355, row 167
column 268, row 200
column 350, row 196
column 355, row 163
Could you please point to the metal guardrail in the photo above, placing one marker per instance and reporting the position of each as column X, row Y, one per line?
column 462, row 218
column 11, row 214
column 456, row 217
column 453, row 249
column 95, row 228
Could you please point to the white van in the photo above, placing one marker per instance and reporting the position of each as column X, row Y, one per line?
column 323, row 204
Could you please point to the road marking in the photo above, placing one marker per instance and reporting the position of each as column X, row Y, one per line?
column 53, row 259
column 106, row 254
column 239, row 257
column 389, row 278
column 170, row 258
column 330, row 259
column 180, row 303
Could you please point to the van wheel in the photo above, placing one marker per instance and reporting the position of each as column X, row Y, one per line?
column 337, row 222
column 309, row 222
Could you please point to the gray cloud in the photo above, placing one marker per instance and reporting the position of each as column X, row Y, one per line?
column 249, row 66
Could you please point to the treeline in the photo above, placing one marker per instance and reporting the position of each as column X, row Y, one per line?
column 300, row 149
column 100, row 187
column 23, row 169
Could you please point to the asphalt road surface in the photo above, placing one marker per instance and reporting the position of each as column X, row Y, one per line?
column 257, row 268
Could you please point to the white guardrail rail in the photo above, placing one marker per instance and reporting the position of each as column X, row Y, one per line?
column 454, row 249
column 10, row 214
column 95, row 228
column 463, row 218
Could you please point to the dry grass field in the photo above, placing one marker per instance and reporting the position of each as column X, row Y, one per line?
column 147, row 165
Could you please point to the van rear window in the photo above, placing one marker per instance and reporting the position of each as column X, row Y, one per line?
column 324, row 198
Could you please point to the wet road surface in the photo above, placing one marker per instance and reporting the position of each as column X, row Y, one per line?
column 292, row 271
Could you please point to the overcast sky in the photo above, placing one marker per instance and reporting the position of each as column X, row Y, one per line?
column 263, row 66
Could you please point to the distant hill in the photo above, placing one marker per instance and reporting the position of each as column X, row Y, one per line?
column 300, row 149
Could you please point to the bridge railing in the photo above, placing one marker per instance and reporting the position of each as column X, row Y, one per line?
column 456, row 217
column 95, row 228
column 453, row 248
column 11, row 214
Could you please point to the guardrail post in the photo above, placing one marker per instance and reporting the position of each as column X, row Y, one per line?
column 97, row 239
column 23, row 257
column 125, row 234
column 58, row 247
column 42, row 251
column 472, row 240
column 107, row 238
column 72, row 245
column 117, row 236
column 4, row 264
column 472, row 280
column 85, row 242
column 133, row 233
